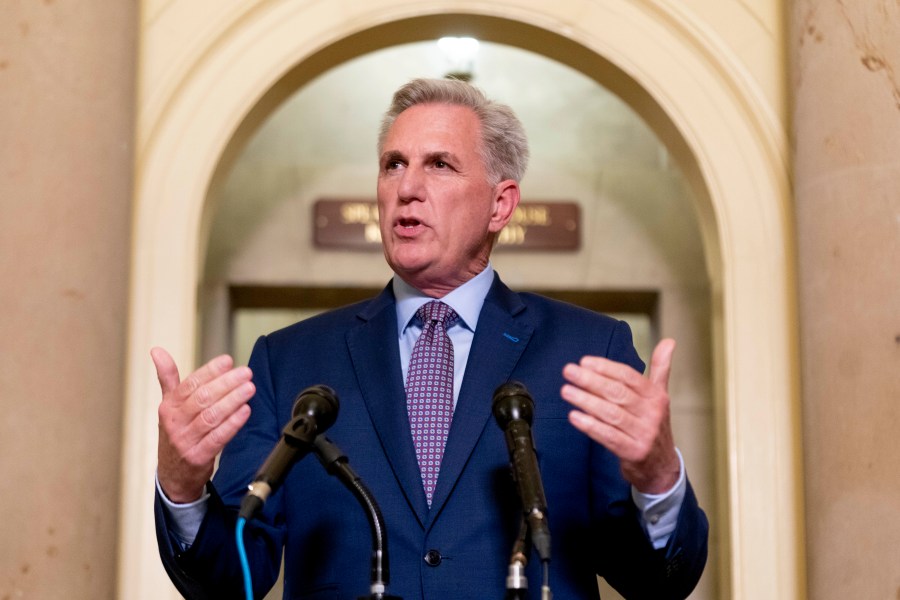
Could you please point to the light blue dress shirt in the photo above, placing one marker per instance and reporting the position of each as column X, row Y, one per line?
column 466, row 300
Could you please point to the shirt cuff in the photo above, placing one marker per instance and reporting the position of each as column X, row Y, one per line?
column 659, row 512
column 185, row 519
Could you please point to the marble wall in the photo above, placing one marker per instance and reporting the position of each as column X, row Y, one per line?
column 67, row 73
column 67, row 76
column 845, row 57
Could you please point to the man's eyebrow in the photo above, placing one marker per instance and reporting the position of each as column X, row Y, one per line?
column 442, row 155
column 390, row 156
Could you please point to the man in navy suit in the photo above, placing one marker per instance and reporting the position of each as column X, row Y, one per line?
column 619, row 503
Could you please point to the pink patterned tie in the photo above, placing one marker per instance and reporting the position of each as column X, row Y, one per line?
column 429, row 390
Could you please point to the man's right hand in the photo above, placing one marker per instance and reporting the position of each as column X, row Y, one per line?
column 197, row 417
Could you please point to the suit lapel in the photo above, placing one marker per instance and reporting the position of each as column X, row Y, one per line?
column 497, row 346
column 376, row 361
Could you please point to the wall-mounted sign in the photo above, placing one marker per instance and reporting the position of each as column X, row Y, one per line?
column 353, row 225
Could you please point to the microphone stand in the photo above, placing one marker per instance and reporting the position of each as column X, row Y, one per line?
column 337, row 464
column 516, row 581
column 513, row 408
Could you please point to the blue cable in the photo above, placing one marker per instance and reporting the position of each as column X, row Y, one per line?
column 242, row 553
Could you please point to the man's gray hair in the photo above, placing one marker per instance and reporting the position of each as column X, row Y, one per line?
column 504, row 146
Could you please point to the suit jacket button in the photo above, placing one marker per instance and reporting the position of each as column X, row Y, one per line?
column 433, row 558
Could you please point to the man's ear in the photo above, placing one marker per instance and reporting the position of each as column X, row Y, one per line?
column 506, row 199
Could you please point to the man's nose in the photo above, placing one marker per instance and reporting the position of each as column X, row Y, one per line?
column 411, row 187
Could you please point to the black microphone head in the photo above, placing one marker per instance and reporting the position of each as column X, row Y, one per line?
column 512, row 401
column 315, row 410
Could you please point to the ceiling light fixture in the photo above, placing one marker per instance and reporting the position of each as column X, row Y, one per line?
column 460, row 53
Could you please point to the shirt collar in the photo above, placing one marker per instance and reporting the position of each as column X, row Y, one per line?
column 466, row 300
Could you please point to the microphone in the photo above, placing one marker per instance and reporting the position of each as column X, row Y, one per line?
column 514, row 411
column 315, row 410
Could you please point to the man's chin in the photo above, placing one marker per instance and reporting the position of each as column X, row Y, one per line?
column 407, row 260
column 412, row 274
column 422, row 275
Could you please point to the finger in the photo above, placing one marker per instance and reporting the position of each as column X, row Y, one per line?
column 610, row 413
column 215, row 413
column 598, row 383
column 217, row 390
column 613, row 370
column 212, row 405
column 216, row 439
column 661, row 363
column 166, row 370
column 205, row 374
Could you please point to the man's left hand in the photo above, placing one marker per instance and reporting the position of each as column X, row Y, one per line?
column 628, row 414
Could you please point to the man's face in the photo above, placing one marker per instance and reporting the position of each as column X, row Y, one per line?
column 437, row 210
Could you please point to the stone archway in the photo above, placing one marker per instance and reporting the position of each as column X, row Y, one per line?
column 202, row 97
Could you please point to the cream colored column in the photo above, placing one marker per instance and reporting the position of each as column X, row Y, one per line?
column 67, row 73
column 846, row 80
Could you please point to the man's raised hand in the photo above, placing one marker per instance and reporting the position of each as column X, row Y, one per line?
column 197, row 417
column 628, row 414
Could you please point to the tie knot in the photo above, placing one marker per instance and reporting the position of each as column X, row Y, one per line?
column 439, row 312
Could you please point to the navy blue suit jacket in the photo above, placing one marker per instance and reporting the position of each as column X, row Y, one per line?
column 474, row 518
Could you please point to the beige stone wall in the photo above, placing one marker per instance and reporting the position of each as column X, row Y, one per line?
column 66, row 104
column 846, row 61
column 66, row 112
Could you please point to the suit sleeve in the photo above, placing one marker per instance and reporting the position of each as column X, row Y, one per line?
column 211, row 568
column 627, row 559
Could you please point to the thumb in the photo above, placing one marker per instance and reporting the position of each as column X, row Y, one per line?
column 166, row 370
column 661, row 362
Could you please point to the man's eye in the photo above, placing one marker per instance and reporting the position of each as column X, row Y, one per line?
column 440, row 164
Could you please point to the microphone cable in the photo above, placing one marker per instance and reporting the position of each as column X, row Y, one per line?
column 242, row 554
